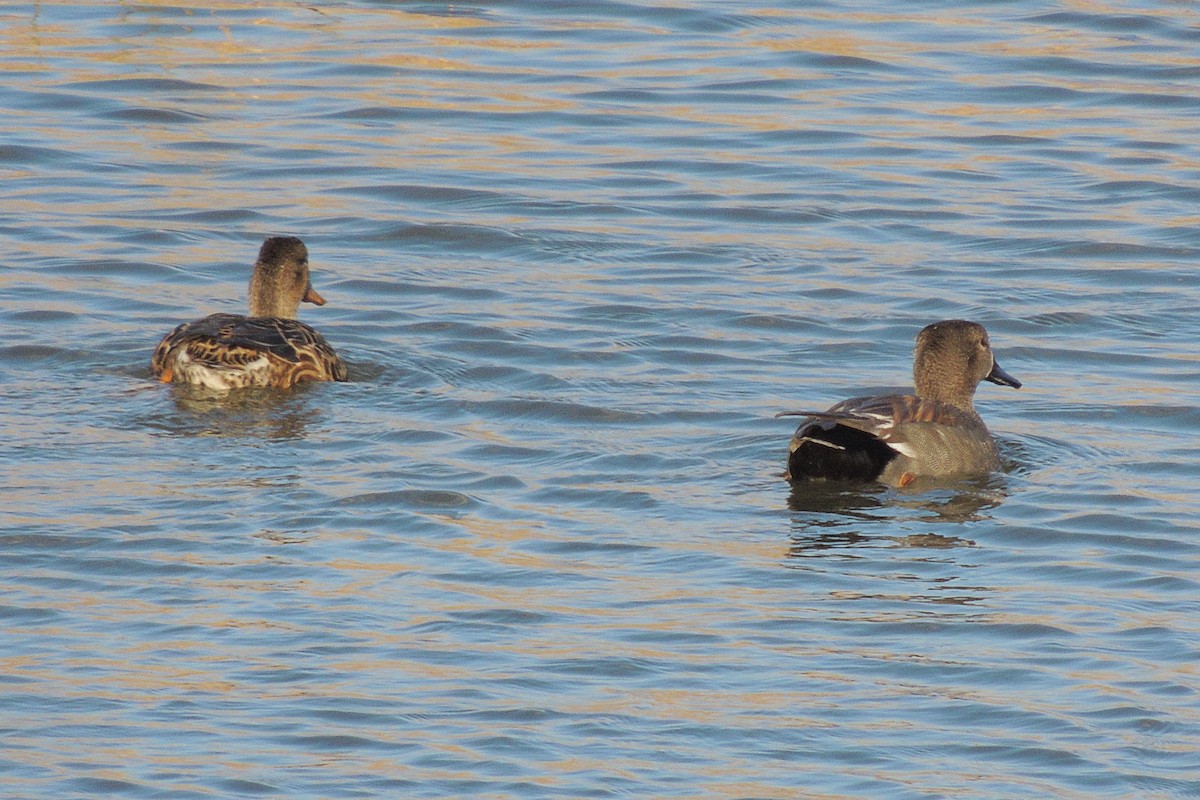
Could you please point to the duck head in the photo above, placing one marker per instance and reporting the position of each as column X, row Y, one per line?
column 280, row 281
column 952, row 357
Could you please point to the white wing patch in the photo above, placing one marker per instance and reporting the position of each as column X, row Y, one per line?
column 797, row 442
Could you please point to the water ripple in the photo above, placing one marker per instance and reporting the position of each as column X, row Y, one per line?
column 576, row 256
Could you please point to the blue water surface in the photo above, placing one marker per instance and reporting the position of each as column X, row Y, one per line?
column 577, row 256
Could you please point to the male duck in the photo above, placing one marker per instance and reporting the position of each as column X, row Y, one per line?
column 897, row 438
column 269, row 347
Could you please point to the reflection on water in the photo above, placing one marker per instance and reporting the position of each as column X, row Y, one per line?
column 950, row 502
column 577, row 255
column 259, row 413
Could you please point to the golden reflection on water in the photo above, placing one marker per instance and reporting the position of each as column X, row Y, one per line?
column 299, row 113
column 316, row 35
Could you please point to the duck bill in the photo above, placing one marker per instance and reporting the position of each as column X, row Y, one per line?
column 311, row 296
column 998, row 375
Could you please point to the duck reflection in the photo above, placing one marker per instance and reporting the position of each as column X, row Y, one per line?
column 839, row 515
column 268, row 414
column 961, row 501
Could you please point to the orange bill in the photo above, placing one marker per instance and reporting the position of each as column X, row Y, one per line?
column 311, row 296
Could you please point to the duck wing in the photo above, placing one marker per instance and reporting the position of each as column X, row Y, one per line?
column 883, row 413
column 859, row 438
column 270, row 351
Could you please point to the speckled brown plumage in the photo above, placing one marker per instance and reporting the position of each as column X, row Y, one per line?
column 232, row 351
column 268, row 348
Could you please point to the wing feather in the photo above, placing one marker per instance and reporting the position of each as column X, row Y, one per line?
column 229, row 351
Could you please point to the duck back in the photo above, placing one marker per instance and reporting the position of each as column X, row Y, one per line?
column 891, row 439
column 230, row 351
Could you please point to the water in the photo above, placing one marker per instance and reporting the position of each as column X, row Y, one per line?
column 576, row 257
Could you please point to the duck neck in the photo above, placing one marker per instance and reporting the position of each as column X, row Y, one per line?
column 958, row 393
column 266, row 302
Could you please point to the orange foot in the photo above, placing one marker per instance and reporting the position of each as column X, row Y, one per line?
column 906, row 479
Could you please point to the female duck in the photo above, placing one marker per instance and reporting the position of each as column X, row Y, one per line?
column 269, row 347
column 897, row 438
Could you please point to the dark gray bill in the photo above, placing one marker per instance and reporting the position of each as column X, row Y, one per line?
column 998, row 375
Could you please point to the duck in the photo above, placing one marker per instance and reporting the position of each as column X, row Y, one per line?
column 895, row 439
column 267, row 348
